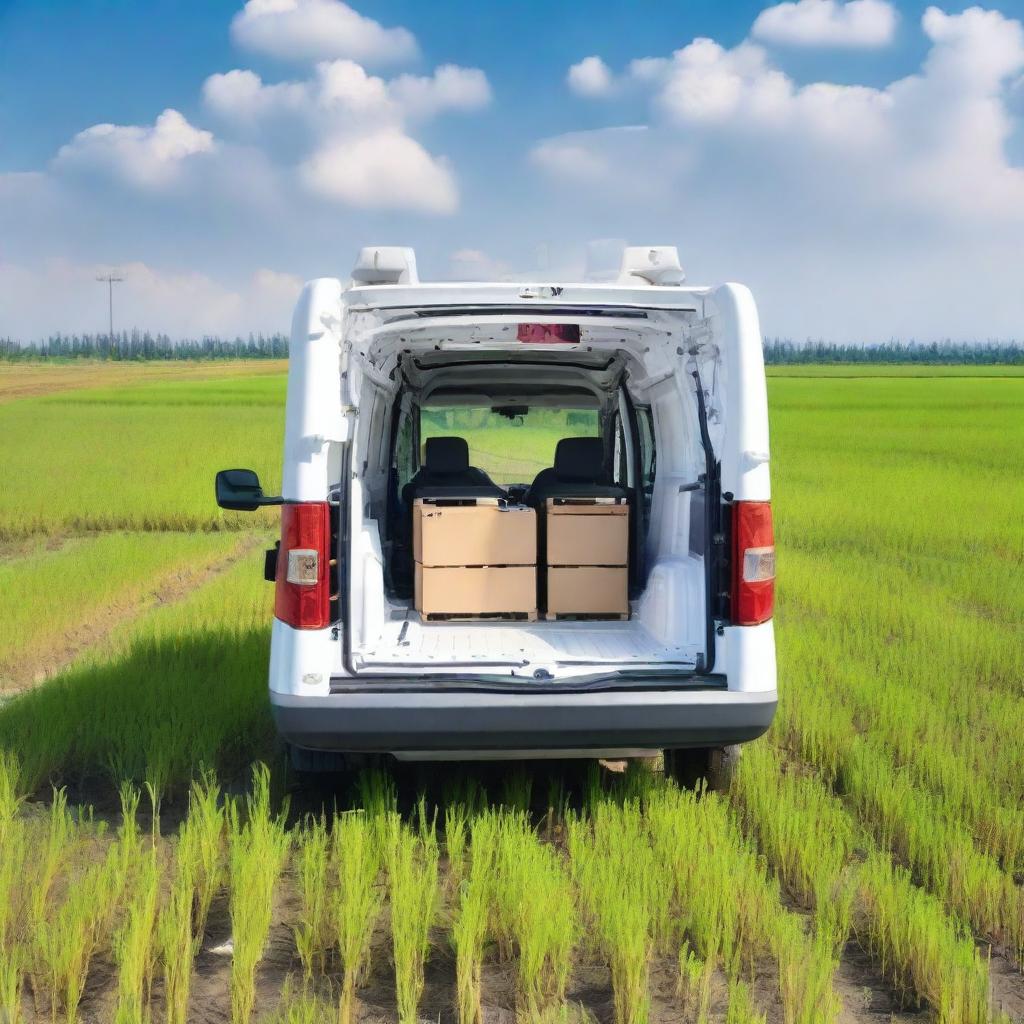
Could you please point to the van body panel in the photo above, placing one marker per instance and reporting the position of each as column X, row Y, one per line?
column 745, row 443
column 313, row 408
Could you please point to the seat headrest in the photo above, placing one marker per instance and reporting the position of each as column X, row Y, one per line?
column 446, row 455
column 580, row 459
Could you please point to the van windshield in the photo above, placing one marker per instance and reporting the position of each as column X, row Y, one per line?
column 509, row 451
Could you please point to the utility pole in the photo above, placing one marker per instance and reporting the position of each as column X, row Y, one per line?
column 111, row 279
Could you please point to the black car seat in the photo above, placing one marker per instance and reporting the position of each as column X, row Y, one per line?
column 578, row 472
column 446, row 468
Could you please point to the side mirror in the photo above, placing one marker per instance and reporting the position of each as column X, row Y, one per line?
column 240, row 491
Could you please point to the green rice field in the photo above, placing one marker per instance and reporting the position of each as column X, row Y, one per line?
column 158, row 862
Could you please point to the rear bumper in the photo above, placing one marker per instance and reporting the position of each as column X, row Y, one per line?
column 385, row 722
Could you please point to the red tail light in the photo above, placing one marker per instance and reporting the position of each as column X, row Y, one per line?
column 753, row 563
column 303, row 594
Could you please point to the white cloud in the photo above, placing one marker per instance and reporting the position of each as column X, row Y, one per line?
column 243, row 96
column 318, row 30
column 934, row 141
column 820, row 193
column 705, row 82
column 855, row 24
column 341, row 93
column 387, row 170
column 349, row 126
column 180, row 303
column 591, row 77
column 977, row 49
column 449, row 88
column 146, row 157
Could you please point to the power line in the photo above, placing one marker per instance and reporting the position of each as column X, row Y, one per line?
column 111, row 279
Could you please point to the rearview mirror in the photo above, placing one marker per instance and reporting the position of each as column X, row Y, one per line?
column 239, row 490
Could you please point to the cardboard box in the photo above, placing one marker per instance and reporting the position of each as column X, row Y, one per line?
column 588, row 590
column 587, row 534
column 482, row 534
column 458, row 590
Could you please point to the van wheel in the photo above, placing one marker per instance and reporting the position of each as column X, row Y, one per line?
column 715, row 765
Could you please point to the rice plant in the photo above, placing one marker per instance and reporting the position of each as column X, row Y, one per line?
column 129, row 840
column 135, row 947
column 11, row 796
column 742, row 1009
column 807, row 968
column 67, row 939
column 536, row 914
column 13, row 854
column 377, row 793
column 304, row 1007
column 196, row 874
column 12, row 973
column 473, row 916
column 730, row 906
column 695, row 974
column 616, row 873
column 48, row 859
column 258, row 847
column 202, row 842
column 175, row 938
column 357, row 901
column 412, row 875
column 312, row 863
column 456, row 826
column 922, row 951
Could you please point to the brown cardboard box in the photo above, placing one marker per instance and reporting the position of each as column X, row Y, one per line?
column 588, row 590
column 457, row 590
column 587, row 534
column 480, row 534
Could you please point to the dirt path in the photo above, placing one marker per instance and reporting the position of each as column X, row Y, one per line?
column 56, row 653
column 1007, row 986
column 28, row 380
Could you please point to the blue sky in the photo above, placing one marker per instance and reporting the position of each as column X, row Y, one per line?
column 860, row 165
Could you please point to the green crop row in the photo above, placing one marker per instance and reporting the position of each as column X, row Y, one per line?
column 620, row 884
column 181, row 689
column 61, row 599
column 89, row 465
column 831, row 867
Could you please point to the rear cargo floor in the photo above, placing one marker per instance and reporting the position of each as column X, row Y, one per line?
column 410, row 643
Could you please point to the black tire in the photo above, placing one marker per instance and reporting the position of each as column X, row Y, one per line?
column 714, row 765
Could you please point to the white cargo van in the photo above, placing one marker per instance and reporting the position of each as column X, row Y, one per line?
column 406, row 399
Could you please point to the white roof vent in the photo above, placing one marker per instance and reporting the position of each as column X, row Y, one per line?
column 386, row 264
column 654, row 264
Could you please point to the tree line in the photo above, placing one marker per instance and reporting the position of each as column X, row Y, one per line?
column 782, row 350
column 141, row 345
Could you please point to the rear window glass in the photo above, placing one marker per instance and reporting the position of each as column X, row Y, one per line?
column 509, row 451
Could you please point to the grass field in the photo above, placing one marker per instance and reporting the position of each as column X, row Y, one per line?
column 867, row 864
